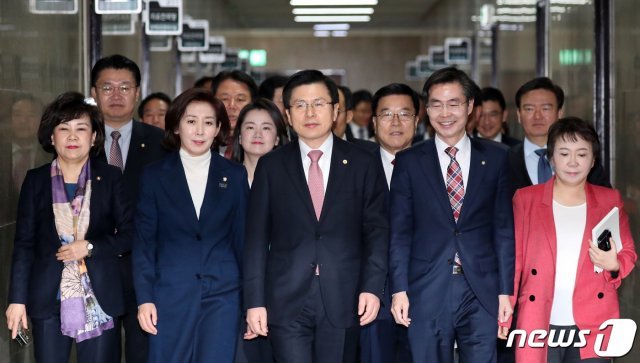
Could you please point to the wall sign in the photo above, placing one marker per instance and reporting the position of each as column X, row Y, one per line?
column 457, row 50
column 163, row 17
column 53, row 6
column 118, row 6
column 195, row 36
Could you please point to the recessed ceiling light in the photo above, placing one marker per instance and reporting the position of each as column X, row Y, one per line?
column 332, row 2
column 332, row 18
column 332, row 11
column 331, row 27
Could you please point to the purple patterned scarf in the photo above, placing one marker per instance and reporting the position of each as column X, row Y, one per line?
column 81, row 316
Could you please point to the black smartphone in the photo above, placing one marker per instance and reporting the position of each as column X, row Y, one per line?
column 23, row 337
column 603, row 240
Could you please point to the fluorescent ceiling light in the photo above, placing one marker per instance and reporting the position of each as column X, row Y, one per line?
column 332, row 18
column 339, row 33
column 332, row 11
column 516, row 18
column 321, row 33
column 332, row 27
column 534, row 2
column 332, row 2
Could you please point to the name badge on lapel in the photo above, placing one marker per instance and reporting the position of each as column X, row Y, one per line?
column 223, row 183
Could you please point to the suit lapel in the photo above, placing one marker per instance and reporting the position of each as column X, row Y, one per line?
column 295, row 170
column 137, row 147
column 337, row 173
column 594, row 214
column 433, row 175
column 174, row 181
column 216, row 182
column 545, row 212
column 477, row 168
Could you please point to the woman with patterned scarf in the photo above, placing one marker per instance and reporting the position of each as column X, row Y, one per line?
column 74, row 220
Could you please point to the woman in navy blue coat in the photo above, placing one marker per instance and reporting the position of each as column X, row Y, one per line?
column 190, row 232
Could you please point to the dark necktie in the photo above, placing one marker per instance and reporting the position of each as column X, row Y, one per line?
column 115, row 154
column 544, row 168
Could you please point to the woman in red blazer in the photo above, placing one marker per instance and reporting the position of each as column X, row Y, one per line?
column 556, row 287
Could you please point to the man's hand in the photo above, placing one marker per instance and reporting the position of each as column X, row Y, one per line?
column 504, row 314
column 368, row 307
column 148, row 318
column 256, row 323
column 400, row 308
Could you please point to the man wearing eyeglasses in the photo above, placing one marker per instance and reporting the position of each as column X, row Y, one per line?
column 130, row 145
column 317, row 234
column 395, row 109
column 451, row 255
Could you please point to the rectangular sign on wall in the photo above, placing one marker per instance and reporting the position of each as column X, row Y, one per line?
column 195, row 36
column 53, row 6
column 457, row 50
column 216, row 51
column 118, row 6
column 162, row 17
column 437, row 57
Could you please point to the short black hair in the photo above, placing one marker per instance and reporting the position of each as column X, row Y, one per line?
column 570, row 129
column 154, row 96
column 306, row 77
column 66, row 107
column 493, row 94
column 540, row 83
column 115, row 61
column 360, row 96
column 450, row 75
column 396, row 89
column 348, row 102
column 179, row 106
column 268, row 87
column 238, row 76
column 274, row 114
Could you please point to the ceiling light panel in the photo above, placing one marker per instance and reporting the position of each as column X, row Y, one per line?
column 333, row 2
column 333, row 11
column 332, row 19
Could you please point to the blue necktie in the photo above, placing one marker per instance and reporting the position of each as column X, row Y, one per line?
column 544, row 168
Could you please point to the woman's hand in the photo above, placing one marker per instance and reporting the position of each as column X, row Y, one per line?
column 74, row 251
column 148, row 318
column 16, row 315
column 607, row 260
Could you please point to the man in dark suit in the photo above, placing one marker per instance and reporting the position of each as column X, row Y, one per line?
column 395, row 118
column 493, row 121
column 315, row 262
column 452, row 246
column 130, row 145
column 540, row 104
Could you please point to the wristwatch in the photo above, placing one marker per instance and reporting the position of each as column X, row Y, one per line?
column 89, row 248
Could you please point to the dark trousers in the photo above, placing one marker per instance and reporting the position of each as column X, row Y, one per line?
column 462, row 319
column 569, row 354
column 311, row 338
column 384, row 341
column 51, row 346
column 136, row 341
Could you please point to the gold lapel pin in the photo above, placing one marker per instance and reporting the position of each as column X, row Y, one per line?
column 483, row 162
column 142, row 145
column 224, row 178
column 98, row 178
column 345, row 161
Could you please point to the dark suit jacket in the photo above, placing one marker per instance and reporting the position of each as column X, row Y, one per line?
column 284, row 240
column 144, row 148
column 35, row 272
column 175, row 250
column 506, row 139
column 425, row 237
column 520, row 176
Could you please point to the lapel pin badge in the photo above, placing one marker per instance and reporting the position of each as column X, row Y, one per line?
column 483, row 162
column 142, row 145
column 223, row 184
column 98, row 178
column 345, row 161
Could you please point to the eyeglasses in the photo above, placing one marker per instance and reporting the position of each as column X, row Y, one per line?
column 302, row 106
column 387, row 116
column 439, row 107
column 124, row 89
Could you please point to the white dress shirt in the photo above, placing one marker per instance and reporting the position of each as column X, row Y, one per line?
column 124, row 141
column 358, row 130
column 387, row 158
column 324, row 162
column 463, row 157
